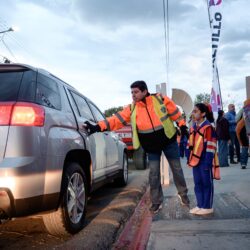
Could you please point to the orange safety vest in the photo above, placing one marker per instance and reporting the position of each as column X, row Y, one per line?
column 160, row 108
column 196, row 146
column 216, row 167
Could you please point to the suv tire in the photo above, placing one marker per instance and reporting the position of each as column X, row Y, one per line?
column 140, row 159
column 69, row 218
column 123, row 179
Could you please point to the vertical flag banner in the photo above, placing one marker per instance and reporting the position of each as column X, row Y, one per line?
column 215, row 20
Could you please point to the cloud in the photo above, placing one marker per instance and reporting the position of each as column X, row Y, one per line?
column 117, row 13
column 101, row 47
column 238, row 86
column 235, row 53
column 239, row 35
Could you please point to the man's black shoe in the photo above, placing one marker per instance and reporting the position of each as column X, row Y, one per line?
column 155, row 208
column 243, row 167
column 184, row 200
column 233, row 162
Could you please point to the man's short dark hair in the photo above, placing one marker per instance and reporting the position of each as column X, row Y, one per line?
column 141, row 85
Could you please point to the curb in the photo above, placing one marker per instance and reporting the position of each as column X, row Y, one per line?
column 137, row 231
column 103, row 231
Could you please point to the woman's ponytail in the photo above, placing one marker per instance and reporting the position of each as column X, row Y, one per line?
column 206, row 108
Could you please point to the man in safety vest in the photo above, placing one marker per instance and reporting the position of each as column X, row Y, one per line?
column 152, row 117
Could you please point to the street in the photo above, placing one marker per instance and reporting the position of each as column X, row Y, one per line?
column 108, row 210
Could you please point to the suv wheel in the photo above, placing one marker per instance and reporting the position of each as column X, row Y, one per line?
column 69, row 218
column 140, row 159
column 123, row 179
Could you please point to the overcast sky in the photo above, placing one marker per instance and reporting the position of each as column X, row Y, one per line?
column 101, row 46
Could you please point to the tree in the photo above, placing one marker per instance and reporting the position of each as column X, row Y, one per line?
column 111, row 111
column 202, row 97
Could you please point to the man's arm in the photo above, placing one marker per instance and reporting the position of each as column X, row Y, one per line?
column 239, row 115
column 230, row 118
column 116, row 121
column 173, row 111
column 239, row 127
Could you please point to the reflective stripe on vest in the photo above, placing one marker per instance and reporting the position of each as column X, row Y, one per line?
column 161, row 112
column 121, row 119
column 150, row 130
column 196, row 145
column 107, row 124
column 135, row 138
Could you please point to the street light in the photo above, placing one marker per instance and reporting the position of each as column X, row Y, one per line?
column 8, row 30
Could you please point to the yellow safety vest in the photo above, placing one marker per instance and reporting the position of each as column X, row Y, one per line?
column 161, row 111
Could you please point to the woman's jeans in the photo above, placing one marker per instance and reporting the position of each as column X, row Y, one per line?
column 171, row 152
column 222, row 153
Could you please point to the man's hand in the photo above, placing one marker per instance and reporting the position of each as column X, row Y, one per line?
column 92, row 128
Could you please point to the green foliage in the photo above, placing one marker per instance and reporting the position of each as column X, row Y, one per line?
column 111, row 111
column 202, row 97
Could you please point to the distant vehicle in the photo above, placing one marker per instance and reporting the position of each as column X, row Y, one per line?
column 48, row 161
column 139, row 156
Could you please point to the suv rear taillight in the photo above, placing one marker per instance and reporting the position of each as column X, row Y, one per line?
column 21, row 114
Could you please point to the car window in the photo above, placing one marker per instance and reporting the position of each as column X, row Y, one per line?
column 28, row 87
column 47, row 92
column 65, row 102
column 82, row 106
column 9, row 85
column 97, row 113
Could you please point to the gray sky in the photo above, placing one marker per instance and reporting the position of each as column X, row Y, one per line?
column 101, row 47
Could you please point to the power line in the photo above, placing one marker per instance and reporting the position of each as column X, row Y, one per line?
column 9, row 50
column 4, row 43
column 6, row 46
column 166, row 37
column 12, row 37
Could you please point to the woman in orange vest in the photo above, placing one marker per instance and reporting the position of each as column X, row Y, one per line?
column 202, row 148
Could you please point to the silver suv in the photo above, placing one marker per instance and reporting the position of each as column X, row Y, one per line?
column 48, row 161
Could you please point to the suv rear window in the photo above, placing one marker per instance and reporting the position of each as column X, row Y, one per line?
column 17, row 85
column 27, row 91
column 9, row 85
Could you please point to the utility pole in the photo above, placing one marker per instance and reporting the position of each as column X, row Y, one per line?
column 248, row 86
column 162, row 88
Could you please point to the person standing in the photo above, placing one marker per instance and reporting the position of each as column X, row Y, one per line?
column 202, row 148
column 152, row 117
column 183, row 140
column 222, row 132
column 242, row 135
column 230, row 116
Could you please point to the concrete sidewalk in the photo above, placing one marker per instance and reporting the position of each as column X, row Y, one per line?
column 228, row 228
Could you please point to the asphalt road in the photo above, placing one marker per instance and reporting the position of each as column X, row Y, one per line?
column 109, row 208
